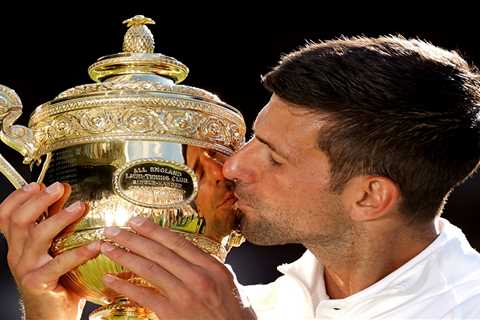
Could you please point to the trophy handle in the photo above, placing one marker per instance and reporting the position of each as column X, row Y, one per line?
column 17, row 137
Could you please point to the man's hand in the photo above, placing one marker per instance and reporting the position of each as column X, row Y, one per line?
column 188, row 283
column 35, row 271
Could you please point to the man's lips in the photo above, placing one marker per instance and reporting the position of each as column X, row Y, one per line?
column 235, row 194
column 237, row 225
column 239, row 203
column 239, row 209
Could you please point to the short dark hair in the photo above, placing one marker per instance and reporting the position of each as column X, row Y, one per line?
column 399, row 108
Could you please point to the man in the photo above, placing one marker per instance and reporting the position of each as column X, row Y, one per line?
column 215, row 195
column 353, row 157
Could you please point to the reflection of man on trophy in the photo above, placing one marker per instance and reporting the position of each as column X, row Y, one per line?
column 214, row 201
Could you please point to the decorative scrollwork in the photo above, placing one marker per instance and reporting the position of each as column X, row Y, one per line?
column 158, row 122
column 139, row 120
column 96, row 120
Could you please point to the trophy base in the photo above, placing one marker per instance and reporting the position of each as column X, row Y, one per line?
column 122, row 309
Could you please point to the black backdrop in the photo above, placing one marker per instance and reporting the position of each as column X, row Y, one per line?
column 53, row 52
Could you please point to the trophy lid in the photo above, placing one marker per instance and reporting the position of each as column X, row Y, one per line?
column 138, row 56
column 137, row 95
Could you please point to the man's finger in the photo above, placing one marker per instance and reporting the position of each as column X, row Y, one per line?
column 30, row 211
column 23, row 220
column 146, row 269
column 13, row 202
column 144, row 296
column 44, row 233
column 46, row 277
column 156, row 252
column 173, row 241
column 58, row 205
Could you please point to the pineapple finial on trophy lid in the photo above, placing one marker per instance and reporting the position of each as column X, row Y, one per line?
column 138, row 58
column 138, row 37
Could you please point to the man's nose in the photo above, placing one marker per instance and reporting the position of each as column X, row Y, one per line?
column 212, row 168
column 230, row 168
column 236, row 168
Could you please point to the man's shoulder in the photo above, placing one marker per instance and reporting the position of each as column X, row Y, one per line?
column 459, row 264
column 284, row 298
column 467, row 309
column 264, row 294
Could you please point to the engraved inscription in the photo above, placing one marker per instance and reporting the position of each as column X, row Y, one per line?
column 156, row 183
column 154, row 175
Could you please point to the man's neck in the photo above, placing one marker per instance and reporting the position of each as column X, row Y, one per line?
column 370, row 256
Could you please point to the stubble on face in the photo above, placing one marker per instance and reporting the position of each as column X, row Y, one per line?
column 322, row 223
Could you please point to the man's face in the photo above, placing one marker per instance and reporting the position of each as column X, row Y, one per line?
column 282, row 180
column 215, row 197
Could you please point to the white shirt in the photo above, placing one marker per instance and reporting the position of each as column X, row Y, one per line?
column 442, row 282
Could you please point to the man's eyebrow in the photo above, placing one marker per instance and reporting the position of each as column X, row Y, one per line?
column 271, row 146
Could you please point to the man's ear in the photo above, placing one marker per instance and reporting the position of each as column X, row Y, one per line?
column 370, row 197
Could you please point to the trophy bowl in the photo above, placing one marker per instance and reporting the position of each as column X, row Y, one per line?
column 134, row 143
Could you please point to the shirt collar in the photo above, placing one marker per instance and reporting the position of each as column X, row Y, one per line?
column 309, row 271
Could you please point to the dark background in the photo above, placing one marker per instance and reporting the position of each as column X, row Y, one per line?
column 52, row 53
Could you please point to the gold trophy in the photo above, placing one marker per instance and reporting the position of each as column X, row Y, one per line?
column 134, row 143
